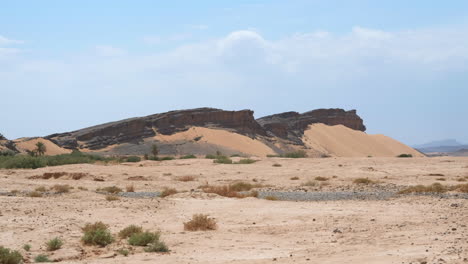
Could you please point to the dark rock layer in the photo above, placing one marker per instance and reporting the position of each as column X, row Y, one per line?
column 290, row 125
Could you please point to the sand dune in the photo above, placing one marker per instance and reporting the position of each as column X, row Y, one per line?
column 344, row 142
column 24, row 144
column 221, row 138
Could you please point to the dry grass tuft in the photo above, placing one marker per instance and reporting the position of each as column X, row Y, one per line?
column 277, row 165
column 363, row 181
column 40, row 189
column 185, row 178
column 167, row 192
column 320, row 178
column 433, row 188
column 309, row 183
column 130, row 188
column 462, row 188
column 110, row 189
column 111, row 198
column 34, row 194
column 61, row 188
column 129, row 231
column 200, row 222
column 232, row 191
column 295, row 178
column 271, row 198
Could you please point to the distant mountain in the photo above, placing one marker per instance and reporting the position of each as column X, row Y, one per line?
column 446, row 146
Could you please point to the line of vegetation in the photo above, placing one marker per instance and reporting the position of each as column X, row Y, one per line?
column 292, row 155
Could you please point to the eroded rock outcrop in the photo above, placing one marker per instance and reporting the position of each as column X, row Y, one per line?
column 136, row 129
column 291, row 125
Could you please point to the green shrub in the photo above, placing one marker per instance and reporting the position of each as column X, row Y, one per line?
column 143, row 238
column 123, row 252
column 246, row 161
column 41, row 258
column 210, row 156
column 273, row 156
column 405, row 156
column 235, row 155
column 97, row 234
column 133, row 159
column 191, row 156
column 54, row 244
column 222, row 160
column 130, row 230
column 34, row 162
column 295, row 154
column 8, row 256
column 363, row 181
column 158, row 246
column 167, row 158
column 27, row 247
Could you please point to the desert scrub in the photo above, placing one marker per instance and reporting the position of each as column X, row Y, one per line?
column 433, row 188
column 143, row 238
column 320, row 178
column 277, row 165
column 41, row 259
column 130, row 188
column 271, row 198
column 123, row 252
column 34, row 194
column 309, row 183
column 133, row 159
column 167, row 192
column 191, row 156
column 231, row 191
column 130, row 230
column 295, row 154
column 200, row 222
column 54, row 244
column 295, row 178
column 158, row 246
column 363, row 181
column 185, row 178
column 97, row 234
column 27, row 247
column 222, row 160
column 110, row 189
column 245, row 161
column 243, row 186
column 61, row 188
column 8, row 256
column 462, row 188
column 405, row 156
column 41, row 189
column 111, row 198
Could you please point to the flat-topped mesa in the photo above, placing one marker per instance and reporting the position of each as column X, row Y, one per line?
column 134, row 130
column 291, row 125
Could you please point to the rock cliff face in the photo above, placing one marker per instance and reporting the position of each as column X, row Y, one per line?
column 136, row 129
column 291, row 125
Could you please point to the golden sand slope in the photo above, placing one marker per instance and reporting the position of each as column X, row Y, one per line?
column 24, row 144
column 345, row 142
column 222, row 138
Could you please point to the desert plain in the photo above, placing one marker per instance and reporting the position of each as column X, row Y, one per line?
column 389, row 228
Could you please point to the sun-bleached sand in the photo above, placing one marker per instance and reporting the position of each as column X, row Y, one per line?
column 407, row 229
column 345, row 142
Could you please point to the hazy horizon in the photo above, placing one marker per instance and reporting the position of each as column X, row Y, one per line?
column 402, row 65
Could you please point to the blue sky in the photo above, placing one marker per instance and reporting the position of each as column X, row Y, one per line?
column 402, row 64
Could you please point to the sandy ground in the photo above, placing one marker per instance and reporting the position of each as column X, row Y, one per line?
column 29, row 144
column 342, row 141
column 409, row 229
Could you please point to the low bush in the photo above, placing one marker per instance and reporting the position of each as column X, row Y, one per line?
column 188, row 157
column 210, row 156
column 41, row 189
column 309, row 183
column 27, row 247
column 167, row 158
column 200, row 222
column 246, row 161
column 232, row 191
column 295, row 178
column 320, row 178
column 130, row 230
column 41, row 259
column 34, row 194
column 130, row 188
column 54, row 244
column 243, row 186
column 405, row 156
column 295, row 154
column 110, row 189
column 158, row 246
column 97, row 234
column 61, row 188
column 167, row 192
column 277, row 165
column 186, row 178
column 123, row 252
column 8, row 256
column 433, row 188
column 363, row 181
column 111, row 198
column 143, row 238
column 222, row 160
column 133, row 159
column 271, row 198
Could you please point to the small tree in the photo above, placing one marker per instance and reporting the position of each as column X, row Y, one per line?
column 155, row 150
column 40, row 148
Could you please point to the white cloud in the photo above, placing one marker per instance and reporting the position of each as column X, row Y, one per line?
column 109, row 51
column 6, row 41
